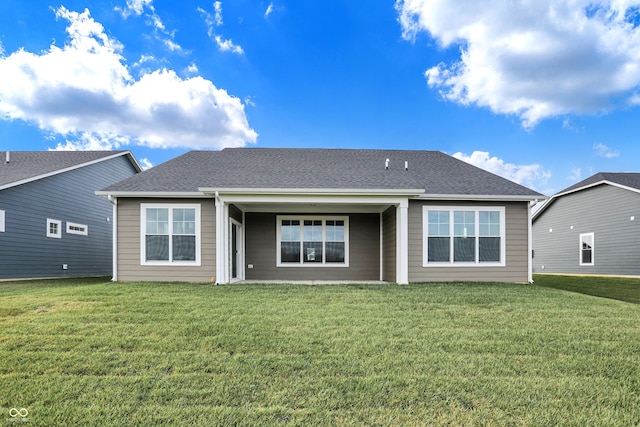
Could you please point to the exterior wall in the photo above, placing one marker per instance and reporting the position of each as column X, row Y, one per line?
column 517, row 252
column 604, row 210
column 129, row 268
column 389, row 245
column 260, row 251
column 25, row 249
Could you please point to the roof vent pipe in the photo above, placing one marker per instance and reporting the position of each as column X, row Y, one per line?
column 386, row 164
column 8, row 157
column 406, row 165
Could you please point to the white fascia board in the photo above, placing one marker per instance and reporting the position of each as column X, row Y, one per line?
column 595, row 184
column 70, row 168
column 319, row 199
column 481, row 197
column 317, row 191
column 157, row 194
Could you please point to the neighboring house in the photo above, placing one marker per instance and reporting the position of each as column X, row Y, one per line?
column 51, row 222
column 320, row 214
column 592, row 227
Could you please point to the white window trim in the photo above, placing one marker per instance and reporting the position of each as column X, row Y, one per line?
column 301, row 264
column 2, row 216
column 593, row 249
column 476, row 209
column 143, row 233
column 57, row 235
column 71, row 225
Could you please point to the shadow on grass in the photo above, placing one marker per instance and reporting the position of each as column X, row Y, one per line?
column 618, row 288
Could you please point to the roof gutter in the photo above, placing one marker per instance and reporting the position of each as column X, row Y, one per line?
column 167, row 194
column 484, row 197
column 315, row 191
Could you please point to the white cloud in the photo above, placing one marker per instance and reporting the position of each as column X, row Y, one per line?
column 576, row 174
column 603, row 150
column 145, row 163
column 134, row 6
column 269, row 10
column 213, row 21
column 228, row 45
column 192, row 68
column 84, row 93
column 533, row 175
column 217, row 7
column 532, row 59
column 137, row 8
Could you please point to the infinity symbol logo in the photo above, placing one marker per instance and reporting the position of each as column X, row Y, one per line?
column 22, row 412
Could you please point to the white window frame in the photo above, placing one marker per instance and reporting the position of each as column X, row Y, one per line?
column 324, row 219
column 143, row 233
column 71, row 228
column 593, row 249
column 57, row 235
column 2, row 216
column 451, row 262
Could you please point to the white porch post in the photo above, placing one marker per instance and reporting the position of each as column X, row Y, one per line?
column 402, row 243
column 222, row 238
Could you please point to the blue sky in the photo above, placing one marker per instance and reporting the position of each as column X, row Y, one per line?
column 545, row 93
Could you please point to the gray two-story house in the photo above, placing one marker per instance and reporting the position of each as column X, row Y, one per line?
column 592, row 227
column 51, row 222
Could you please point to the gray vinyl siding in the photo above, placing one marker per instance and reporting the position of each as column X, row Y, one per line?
column 364, row 251
column 604, row 210
column 516, row 268
column 25, row 249
column 389, row 245
column 129, row 268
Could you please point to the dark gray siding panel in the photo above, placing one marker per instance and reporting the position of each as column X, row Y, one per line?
column 364, row 251
column 26, row 252
column 517, row 253
column 604, row 210
column 389, row 244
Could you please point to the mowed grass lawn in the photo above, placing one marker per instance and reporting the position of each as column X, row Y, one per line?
column 80, row 352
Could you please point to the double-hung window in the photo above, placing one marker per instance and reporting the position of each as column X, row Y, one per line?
column 463, row 236
column 586, row 249
column 312, row 241
column 170, row 234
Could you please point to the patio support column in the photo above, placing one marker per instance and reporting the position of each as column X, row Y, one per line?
column 222, row 237
column 402, row 243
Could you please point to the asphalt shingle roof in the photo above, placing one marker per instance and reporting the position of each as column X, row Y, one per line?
column 282, row 168
column 627, row 179
column 24, row 165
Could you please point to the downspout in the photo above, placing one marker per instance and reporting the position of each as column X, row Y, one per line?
column 530, row 239
column 114, row 237
column 381, row 248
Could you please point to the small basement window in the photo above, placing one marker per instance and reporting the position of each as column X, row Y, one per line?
column 73, row 228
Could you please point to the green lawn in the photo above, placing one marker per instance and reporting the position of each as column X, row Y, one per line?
column 97, row 353
column 620, row 288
